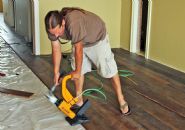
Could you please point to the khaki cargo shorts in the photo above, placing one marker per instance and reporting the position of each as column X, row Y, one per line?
column 100, row 55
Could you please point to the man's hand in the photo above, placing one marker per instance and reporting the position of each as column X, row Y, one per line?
column 75, row 75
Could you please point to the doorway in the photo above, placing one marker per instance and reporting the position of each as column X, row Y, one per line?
column 140, row 27
column 144, row 13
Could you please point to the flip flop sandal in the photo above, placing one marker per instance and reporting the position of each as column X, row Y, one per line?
column 122, row 107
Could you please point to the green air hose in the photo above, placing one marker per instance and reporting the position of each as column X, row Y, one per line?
column 99, row 89
column 88, row 92
column 125, row 73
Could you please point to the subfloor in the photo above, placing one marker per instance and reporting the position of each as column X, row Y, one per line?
column 155, row 93
column 23, row 112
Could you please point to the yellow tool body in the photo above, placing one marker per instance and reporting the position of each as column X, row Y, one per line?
column 75, row 115
column 69, row 100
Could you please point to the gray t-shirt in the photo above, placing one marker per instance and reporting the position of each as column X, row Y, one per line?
column 82, row 26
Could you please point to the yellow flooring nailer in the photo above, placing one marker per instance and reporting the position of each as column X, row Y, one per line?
column 75, row 114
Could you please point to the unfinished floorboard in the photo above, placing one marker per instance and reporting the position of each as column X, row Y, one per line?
column 159, row 68
column 153, row 85
column 16, row 92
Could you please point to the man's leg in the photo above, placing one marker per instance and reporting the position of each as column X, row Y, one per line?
column 102, row 56
column 79, row 87
column 117, row 87
column 86, row 67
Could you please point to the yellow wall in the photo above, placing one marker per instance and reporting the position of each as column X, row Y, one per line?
column 108, row 10
column 1, row 6
column 167, row 43
column 126, row 10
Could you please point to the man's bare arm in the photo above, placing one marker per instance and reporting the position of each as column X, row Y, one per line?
column 78, row 59
column 56, row 54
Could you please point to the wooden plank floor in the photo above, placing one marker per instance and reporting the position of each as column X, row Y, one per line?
column 156, row 93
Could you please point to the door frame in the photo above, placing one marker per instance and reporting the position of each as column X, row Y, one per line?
column 36, row 27
column 135, row 27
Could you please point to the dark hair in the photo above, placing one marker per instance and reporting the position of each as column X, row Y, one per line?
column 54, row 18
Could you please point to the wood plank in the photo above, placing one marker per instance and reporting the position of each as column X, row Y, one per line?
column 164, row 118
column 157, row 117
column 106, row 113
column 156, row 67
column 155, row 87
column 16, row 92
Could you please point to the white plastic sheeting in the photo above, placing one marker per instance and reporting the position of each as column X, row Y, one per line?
column 18, row 113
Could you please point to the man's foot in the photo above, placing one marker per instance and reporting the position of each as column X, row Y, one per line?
column 80, row 103
column 76, row 106
column 125, row 110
